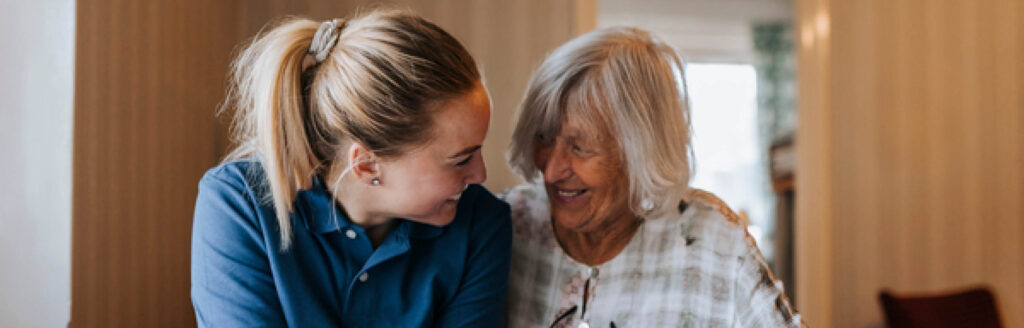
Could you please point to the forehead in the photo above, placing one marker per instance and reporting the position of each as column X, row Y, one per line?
column 462, row 122
column 584, row 123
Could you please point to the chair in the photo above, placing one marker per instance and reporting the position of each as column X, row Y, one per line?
column 971, row 308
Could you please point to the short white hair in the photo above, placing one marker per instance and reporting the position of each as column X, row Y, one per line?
column 629, row 83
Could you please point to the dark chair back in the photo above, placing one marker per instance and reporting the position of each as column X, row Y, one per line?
column 971, row 308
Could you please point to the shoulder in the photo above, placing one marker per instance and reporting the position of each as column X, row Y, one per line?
column 234, row 181
column 229, row 203
column 242, row 174
column 710, row 207
column 531, row 215
column 482, row 215
column 483, row 202
column 528, row 202
column 707, row 217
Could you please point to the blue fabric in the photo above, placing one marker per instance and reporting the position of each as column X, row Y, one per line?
column 420, row 276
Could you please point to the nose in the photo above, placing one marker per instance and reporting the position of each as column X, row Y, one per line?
column 556, row 167
column 477, row 171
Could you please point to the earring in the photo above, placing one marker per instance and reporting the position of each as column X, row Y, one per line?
column 375, row 181
column 647, row 204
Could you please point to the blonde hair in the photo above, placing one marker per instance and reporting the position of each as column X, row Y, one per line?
column 625, row 82
column 299, row 96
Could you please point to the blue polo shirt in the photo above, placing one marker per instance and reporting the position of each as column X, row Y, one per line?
column 420, row 276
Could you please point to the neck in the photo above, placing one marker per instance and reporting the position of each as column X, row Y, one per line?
column 599, row 245
column 356, row 201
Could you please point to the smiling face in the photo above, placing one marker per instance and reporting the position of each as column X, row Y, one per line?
column 424, row 185
column 584, row 176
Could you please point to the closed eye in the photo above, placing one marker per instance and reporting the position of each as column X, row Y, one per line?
column 468, row 152
column 578, row 149
column 465, row 161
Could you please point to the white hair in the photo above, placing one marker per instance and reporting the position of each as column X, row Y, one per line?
column 623, row 82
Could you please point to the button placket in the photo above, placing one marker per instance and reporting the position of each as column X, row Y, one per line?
column 589, row 275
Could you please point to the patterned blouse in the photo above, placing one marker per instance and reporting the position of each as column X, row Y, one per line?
column 697, row 268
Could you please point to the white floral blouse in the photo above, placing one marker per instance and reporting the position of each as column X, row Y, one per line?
column 695, row 268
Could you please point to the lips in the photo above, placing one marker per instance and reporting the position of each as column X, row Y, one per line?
column 569, row 195
column 458, row 195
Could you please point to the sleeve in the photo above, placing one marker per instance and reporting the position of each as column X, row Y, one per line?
column 232, row 285
column 760, row 300
column 480, row 301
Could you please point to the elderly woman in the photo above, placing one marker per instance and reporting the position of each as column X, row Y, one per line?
column 609, row 234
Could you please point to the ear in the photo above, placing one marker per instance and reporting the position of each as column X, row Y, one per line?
column 364, row 163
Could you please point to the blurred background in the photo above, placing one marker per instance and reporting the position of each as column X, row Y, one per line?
column 871, row 145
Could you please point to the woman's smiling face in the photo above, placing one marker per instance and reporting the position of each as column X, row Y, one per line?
column 584, row 175
column 425, row 184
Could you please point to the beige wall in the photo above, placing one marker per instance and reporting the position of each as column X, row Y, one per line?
column 911, row 146
column 147, row 80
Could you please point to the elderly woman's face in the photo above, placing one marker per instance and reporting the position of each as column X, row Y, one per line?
column 583, row 175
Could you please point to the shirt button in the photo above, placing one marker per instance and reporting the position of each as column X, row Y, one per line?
column 592, row 272
column 351, row 234
column 584, row 325
column 363, row 277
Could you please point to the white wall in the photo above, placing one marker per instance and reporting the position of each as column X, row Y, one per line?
column 36, row 99
column 700, row 30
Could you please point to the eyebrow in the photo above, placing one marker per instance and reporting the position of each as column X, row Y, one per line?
column 577, row 134
column 466, row 151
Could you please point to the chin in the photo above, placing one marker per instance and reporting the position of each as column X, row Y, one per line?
column 577, row 222
column 439, row 220
column 570, row 222
column 436, row 215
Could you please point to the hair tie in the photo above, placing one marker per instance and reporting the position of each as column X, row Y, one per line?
column 325, row 38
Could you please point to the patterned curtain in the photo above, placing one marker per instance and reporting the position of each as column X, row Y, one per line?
column 776, row 80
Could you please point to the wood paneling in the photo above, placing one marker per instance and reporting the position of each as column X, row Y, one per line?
column 911, row 148
column 147, row 81
column 148, row 78
column 812, row 222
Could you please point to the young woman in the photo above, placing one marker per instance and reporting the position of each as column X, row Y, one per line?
column 352, row 197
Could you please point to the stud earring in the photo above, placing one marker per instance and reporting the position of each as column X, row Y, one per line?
column 375, row 181
column 647, row 205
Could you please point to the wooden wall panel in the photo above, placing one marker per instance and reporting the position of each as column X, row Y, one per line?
column 148, row 78
column 915, row 132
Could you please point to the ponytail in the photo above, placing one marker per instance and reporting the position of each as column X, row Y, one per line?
column 271, row 118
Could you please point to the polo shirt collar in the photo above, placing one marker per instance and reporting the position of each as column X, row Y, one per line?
column 321, row 216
